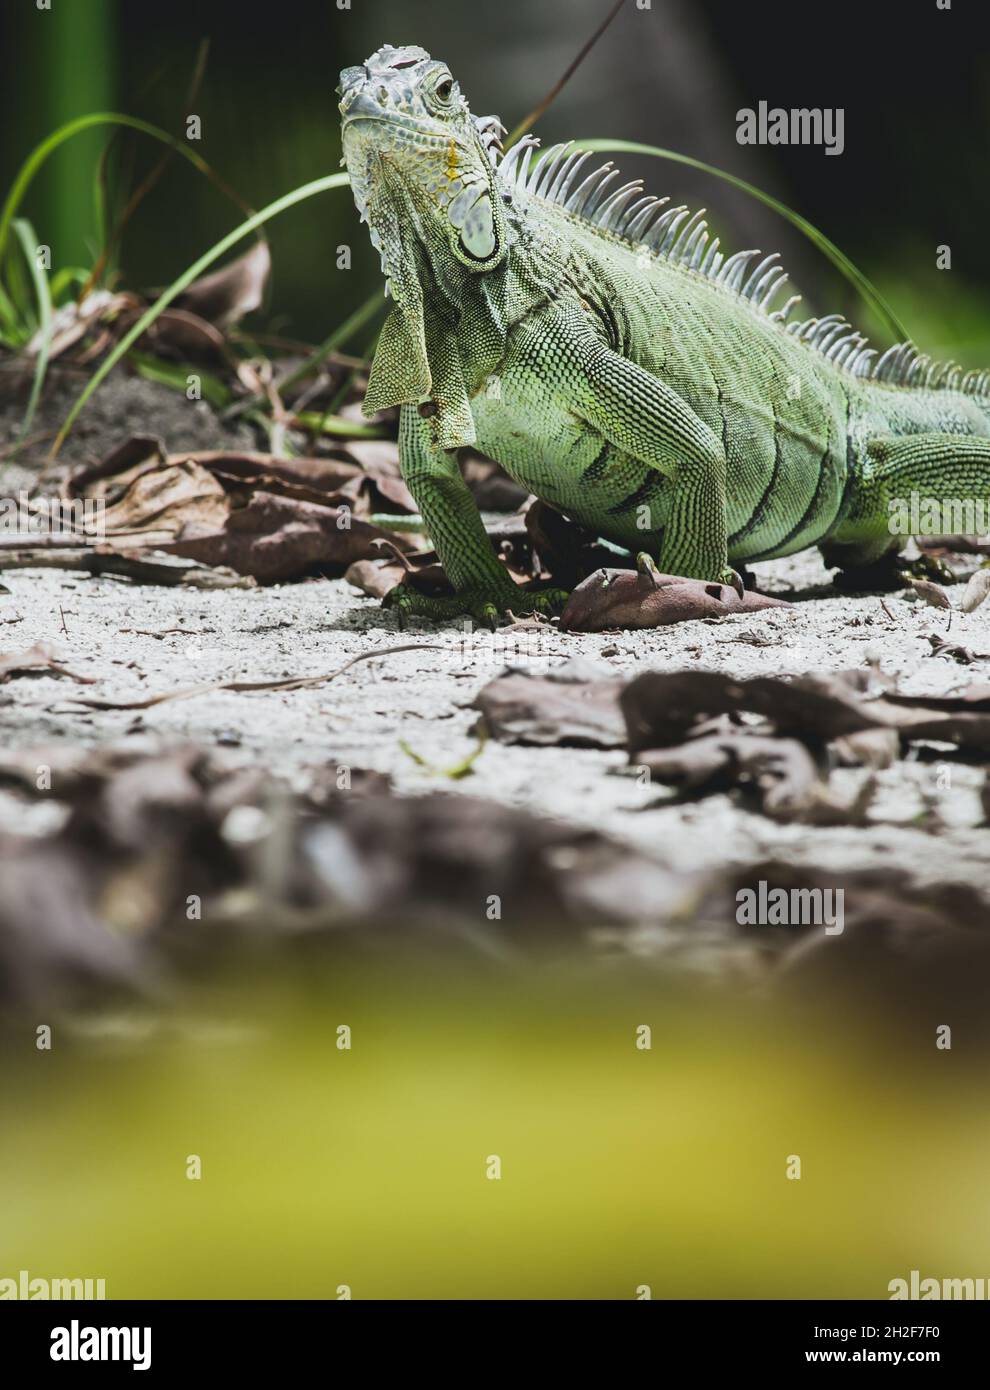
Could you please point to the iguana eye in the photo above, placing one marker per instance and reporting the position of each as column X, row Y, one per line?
column 445, row 89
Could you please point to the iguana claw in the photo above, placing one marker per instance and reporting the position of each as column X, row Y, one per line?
column 647, row 566
column 734, row 580
column 892, row 572
column 480, row 605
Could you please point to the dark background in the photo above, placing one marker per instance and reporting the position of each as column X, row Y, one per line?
column 914, row 82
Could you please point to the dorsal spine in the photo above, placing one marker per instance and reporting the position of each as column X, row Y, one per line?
column 682, row 238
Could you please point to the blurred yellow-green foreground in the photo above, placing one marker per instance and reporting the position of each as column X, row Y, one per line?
column 368, row 1168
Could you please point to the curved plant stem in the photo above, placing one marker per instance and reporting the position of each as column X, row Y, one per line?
column 839, row 259
column 363, row 314
column 65, row 132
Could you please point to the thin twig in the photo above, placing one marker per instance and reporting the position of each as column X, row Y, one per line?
column 554, row 92
column 291, row 683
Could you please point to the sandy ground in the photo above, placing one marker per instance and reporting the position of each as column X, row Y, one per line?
column 106, row 629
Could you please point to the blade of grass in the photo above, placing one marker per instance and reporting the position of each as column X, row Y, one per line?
column 345, row 387
column 41, row 152
column 65, row 279
column 176, row 375
column 39, row 277
column 455, row 773
column 839, row 259
column 111, row 235
column 258, row 219
column 10, row 320
column 337, row 425
column 363, row 314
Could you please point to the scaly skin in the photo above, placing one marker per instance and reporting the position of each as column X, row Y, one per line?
column 625, row 385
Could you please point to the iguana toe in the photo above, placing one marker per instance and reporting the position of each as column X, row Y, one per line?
column 734, row 580
column 482, row 606
column 891, row 572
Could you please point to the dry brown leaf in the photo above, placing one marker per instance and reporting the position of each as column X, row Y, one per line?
column 976, row 591
column 167, row 503
column 615, row 598
column 933, row 594
column 564, row 707
column 779, row 774
column 259, row 516
column 661, row 708
column 224, row 296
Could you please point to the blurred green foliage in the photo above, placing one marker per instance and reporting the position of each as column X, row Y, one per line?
column 368, row 1167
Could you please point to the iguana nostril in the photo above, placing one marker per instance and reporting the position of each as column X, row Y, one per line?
column 350, row 76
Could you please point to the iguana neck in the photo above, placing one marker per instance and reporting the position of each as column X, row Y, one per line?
column 481, row 309
column 448, row 332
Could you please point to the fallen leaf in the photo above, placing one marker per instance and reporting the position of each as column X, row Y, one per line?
column 612, row 598
column 39, row 660
column 224, row 296
column 259, row 516
column 779, row 775
column 377, row 577
column 564, row 549
column 147, row 567
column 275, row 539
column 110, row 476
column 661, row 708
column 976, row 590
column 564, row 707
column 969, row 545
column 953, row 651
column 72, row 321
column 875, row 748
column 165, row 503
column 933, row 594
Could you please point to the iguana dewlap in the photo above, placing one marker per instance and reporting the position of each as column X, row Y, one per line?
column 598, row 344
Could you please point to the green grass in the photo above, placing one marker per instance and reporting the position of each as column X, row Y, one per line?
column 39, row 276
column 183, row 281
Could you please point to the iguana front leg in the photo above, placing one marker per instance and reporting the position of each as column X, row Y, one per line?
column 484, row 590
column 644, row 417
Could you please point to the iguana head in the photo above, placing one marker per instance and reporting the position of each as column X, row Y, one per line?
column 415, row 153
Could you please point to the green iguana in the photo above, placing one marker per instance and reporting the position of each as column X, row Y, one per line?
column 601, row 348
